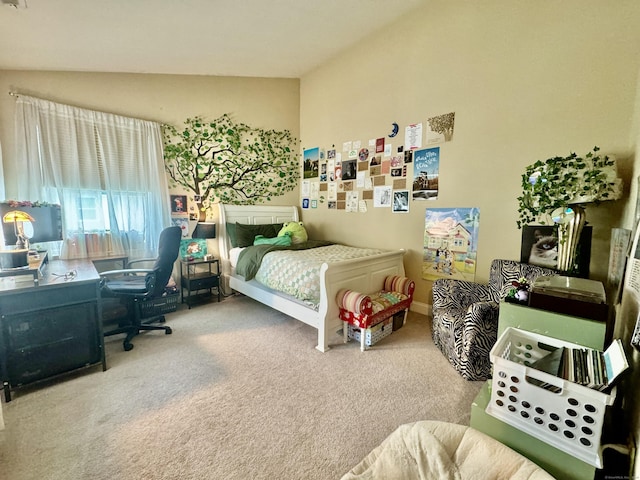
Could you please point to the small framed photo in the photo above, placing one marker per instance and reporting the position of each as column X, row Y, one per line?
column 539, row 245
column 400, row 201
column 179, row 204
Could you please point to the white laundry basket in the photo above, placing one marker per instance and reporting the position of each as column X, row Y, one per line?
column 561, row 413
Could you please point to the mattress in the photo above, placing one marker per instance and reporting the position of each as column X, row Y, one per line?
column 297, row 273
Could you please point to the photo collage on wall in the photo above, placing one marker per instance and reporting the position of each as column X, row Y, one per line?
column 383, row 172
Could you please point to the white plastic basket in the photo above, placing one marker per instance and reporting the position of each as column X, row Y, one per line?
column 374, row 334
column 563, row 414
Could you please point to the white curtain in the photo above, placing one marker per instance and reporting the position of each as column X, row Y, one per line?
column 106, row 171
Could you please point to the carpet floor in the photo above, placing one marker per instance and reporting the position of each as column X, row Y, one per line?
column 238, row 391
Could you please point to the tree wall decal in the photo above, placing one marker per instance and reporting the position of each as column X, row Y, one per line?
column 229, row 161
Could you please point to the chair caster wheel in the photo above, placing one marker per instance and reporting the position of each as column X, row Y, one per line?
column 168, row 331
column 127, row 346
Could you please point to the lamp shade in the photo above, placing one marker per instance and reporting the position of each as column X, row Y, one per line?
column 16, row 216
column 204, row 230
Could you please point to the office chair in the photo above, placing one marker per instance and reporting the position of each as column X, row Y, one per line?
column 132, row 287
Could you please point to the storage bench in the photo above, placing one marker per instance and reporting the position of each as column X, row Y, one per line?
column 366, row 310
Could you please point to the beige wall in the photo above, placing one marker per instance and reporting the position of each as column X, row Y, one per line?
column 527, row 81
column 259, row 102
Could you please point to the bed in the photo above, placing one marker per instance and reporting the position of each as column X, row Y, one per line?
column 362, row 274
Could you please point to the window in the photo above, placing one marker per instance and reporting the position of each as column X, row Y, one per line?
column 106, row 171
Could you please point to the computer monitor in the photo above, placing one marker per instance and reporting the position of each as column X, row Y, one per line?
column 46, row 225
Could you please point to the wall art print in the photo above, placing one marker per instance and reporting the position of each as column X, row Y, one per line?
column 450, row 243
column 426, row 168
column 178, row 204
column 193, row 248
column 311, row 162
column 440, row 128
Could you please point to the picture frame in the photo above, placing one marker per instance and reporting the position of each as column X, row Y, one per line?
column 183, row 223
column 539, row 245
column 400, row 201
column 179, row 204
column 533, row 237
column 193, row 248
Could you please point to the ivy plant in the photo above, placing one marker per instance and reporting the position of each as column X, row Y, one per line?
column 562, row 181
column 230, row 161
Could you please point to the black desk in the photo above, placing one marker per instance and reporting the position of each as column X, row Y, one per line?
column 109, row 261
column 35, row 268
column 50, row 327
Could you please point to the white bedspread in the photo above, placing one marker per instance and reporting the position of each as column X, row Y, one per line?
column 297, row 272
column 430, row 450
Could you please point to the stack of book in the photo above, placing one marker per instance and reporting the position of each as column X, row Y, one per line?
column 585, row 366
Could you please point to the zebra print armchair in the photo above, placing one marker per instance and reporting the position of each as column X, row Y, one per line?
column 465, row 315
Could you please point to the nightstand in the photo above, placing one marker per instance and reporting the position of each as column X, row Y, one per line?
column 198, row 277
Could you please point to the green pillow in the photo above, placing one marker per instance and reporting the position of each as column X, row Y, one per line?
column 284, row 240
column 246, row 234
column 231, row 233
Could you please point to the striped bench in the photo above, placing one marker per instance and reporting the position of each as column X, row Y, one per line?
column 365, row 310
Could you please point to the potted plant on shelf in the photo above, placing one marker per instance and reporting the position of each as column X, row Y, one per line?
column 557, row 190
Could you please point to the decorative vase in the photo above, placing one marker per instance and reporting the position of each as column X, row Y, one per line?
column 570, row 226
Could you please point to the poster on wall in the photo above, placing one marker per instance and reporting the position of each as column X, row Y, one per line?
column 400, row 201
column 450, row 243
column 440, row 128
column 618, row 248
column 183, row 223
column 349, row 170
column 382, row 196
column 632, row 276
column 352, row 202
column 413, row 136
column 425, row 173
column 178, row 204
column 311, row 162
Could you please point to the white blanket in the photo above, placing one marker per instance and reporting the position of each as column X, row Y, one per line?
column 430, row 450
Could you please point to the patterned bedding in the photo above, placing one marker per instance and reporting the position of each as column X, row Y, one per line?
column 297, row 273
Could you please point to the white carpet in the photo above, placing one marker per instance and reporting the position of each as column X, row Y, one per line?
column 238, row 391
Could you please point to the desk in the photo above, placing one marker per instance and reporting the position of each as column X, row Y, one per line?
column 35, row 267
column 109, row 260
column 50, row 327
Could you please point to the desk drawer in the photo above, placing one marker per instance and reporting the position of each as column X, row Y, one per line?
column 48, row 297
column 51, row 341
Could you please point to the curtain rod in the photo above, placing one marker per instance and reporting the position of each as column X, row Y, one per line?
column 14, row 94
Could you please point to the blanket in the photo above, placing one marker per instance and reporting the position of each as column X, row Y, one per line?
column 250, row 258
column 430, row 450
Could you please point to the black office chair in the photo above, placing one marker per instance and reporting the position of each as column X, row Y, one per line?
column 125, row 291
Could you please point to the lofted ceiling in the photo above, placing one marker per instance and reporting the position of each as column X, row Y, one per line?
column 256, row 38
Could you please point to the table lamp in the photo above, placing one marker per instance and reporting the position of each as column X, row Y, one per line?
column 204, row 230
column 17, row 217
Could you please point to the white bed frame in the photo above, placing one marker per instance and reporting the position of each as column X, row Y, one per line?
column 361, row 274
